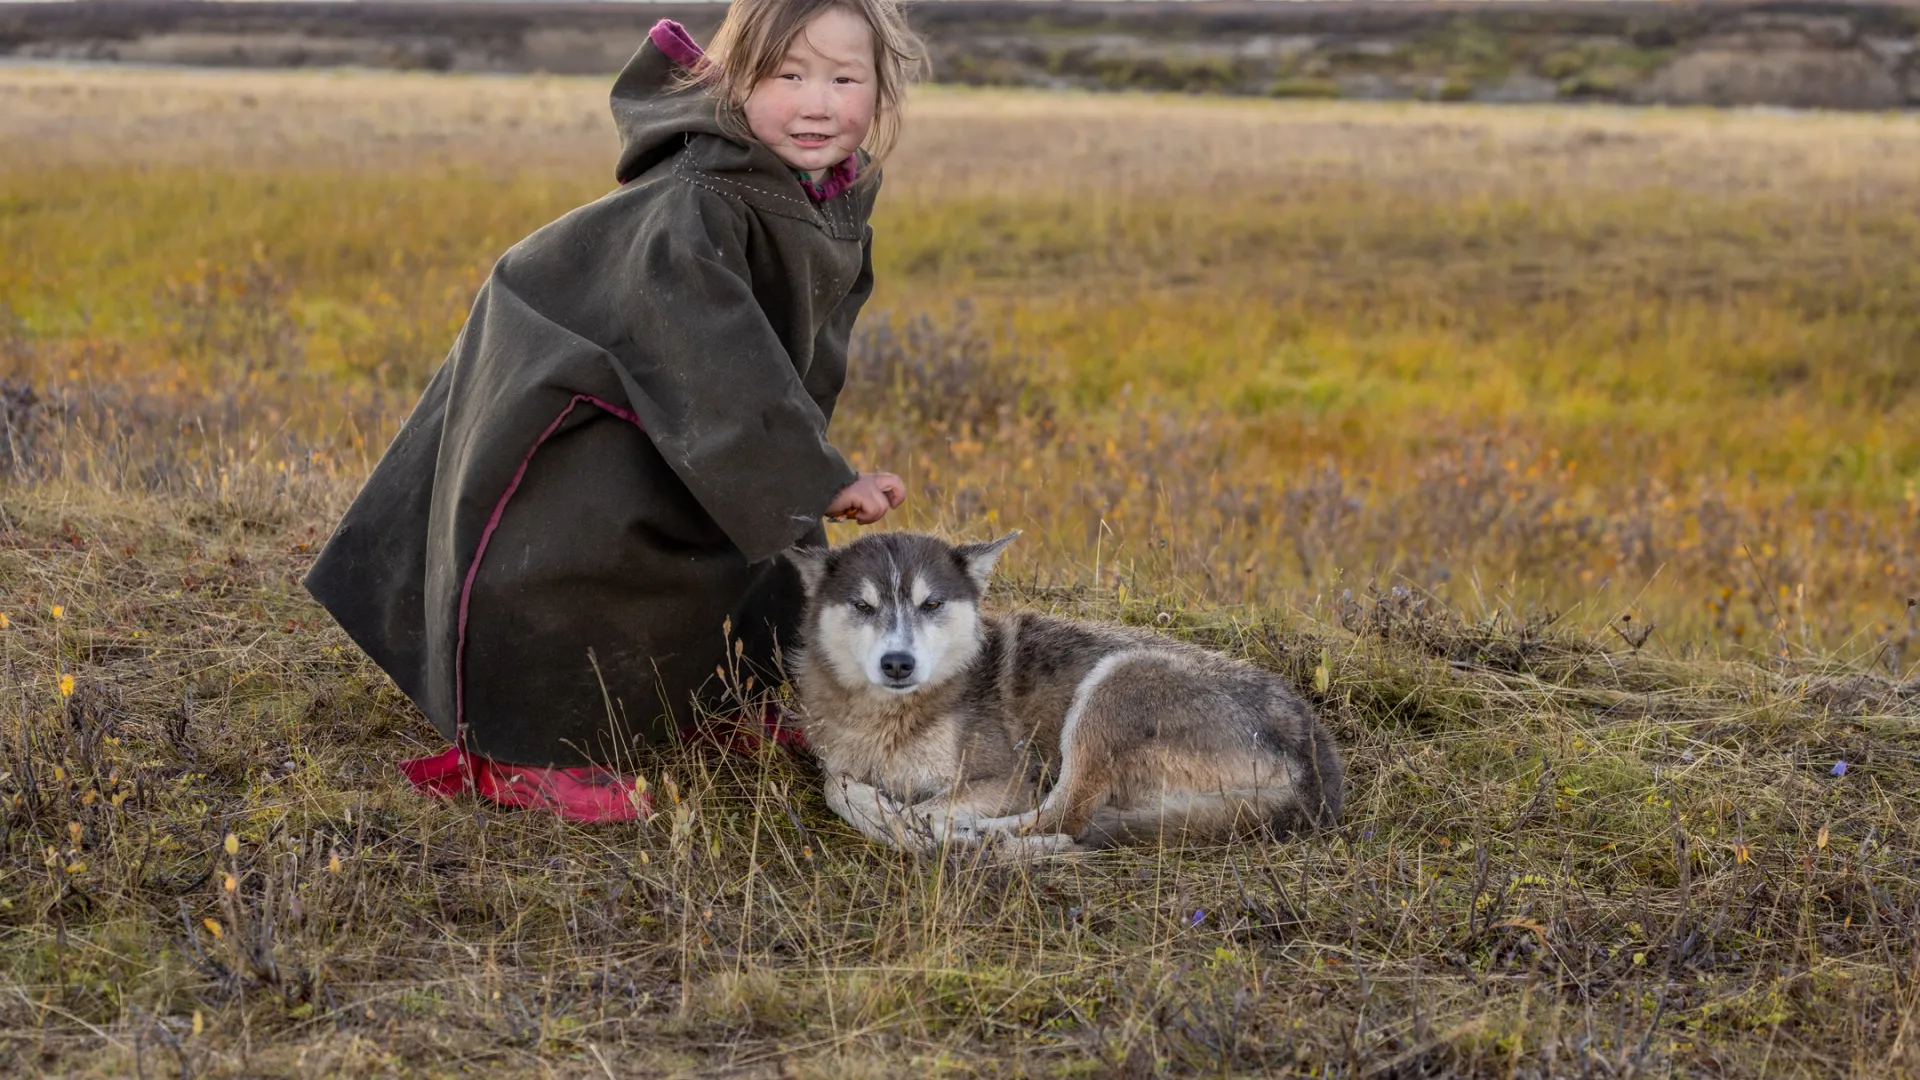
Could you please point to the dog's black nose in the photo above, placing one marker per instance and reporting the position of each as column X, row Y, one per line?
column 896, row 665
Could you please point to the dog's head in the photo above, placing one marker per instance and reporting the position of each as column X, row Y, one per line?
column 891, row 613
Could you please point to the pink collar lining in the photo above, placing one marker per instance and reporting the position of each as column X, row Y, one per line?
column 839, row 179
column 677, row 45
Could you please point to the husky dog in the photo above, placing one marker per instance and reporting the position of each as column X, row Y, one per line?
column 937, row 724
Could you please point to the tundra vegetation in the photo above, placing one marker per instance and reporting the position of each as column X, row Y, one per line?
column 1563, row 457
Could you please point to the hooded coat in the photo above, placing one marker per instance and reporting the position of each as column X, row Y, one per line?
column 630, row 426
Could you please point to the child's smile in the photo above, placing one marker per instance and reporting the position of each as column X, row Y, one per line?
column 815, row 110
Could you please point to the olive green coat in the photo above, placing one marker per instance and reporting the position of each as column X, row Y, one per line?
column 629, row 428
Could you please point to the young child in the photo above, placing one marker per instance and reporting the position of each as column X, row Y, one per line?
column 632, row 424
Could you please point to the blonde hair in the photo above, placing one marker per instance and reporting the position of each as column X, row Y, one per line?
column 753, row 40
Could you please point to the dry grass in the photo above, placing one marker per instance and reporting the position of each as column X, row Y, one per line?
column 1355, row 392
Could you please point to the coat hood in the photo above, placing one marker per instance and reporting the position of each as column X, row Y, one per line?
column 656, row 115
column 653, row 112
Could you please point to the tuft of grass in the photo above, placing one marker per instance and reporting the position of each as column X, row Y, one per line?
column 1558, row 456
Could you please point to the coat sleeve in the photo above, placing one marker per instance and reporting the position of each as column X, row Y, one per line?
column 717, row 390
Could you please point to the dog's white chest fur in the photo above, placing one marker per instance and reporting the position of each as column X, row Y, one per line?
column 908, row 763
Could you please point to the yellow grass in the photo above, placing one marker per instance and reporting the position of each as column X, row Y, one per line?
column 1687, row 338
column 1363, row 393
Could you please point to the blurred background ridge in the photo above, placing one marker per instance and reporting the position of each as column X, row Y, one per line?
column 1794, row 54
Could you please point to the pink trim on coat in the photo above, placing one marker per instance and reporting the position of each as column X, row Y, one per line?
column 675, row 43
column 587, row 794
column 480, row 552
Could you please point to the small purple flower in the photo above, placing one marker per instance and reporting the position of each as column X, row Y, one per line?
column 1839, row 768
column 1073, row 913
column 1368, row 835
column 1199, row 916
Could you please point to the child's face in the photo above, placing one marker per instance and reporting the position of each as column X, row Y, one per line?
column 816, row 108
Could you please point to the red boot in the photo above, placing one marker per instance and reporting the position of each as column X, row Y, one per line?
column 590, row 794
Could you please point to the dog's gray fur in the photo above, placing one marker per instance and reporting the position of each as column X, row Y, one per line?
column 936, row 723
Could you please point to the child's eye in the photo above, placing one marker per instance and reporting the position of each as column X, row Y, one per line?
column 931, row 605
column 863, row 607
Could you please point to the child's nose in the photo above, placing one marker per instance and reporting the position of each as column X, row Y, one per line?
column 817, row 102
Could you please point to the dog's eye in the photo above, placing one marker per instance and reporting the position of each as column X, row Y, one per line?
column 931, row 605
column 863, row 607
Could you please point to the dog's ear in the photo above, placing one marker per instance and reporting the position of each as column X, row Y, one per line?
column 978, row 559
column 812, row 564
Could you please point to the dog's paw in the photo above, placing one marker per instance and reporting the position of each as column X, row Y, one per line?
column 949, row 828
column 1014, row 832
column 1011, row 823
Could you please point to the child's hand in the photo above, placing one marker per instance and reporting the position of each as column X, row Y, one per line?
column 868, row 499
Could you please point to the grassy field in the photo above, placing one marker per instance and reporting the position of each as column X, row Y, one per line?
column 1564, row 457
